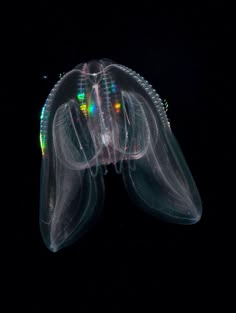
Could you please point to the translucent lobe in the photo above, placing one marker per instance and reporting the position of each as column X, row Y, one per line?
column 70, row 201
column 101, row 113
column 161, row 182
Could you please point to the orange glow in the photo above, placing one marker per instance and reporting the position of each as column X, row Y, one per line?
column 117, row 106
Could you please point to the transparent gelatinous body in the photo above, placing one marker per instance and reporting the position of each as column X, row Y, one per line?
column 100, row 113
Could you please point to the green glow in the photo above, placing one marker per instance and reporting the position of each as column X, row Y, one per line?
column 166, row 105
column 42, row 143
column 81, row 96
column 91, row 108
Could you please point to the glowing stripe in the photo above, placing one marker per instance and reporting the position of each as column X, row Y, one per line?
column 42, row 138
column 42, row 143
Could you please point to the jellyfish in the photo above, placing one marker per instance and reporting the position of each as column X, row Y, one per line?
column 102, row 113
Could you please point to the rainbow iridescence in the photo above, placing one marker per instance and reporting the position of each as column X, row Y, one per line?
column 42, row 135
column 100, row 115
column 89, row 109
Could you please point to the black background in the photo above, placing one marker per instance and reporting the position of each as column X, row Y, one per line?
column 129, row 260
